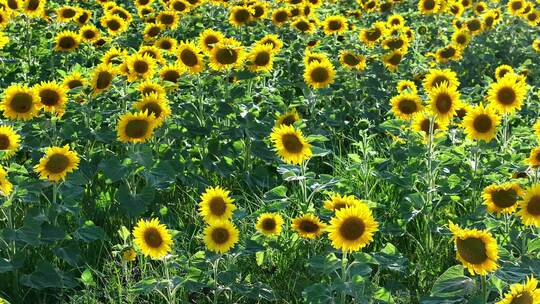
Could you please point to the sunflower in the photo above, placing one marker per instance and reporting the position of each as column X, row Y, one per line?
column 152, row 238
column 89, row 33
column 114, row 24
column 395, row 21
column 67, row 13
column 9, row 141
column 436, row 77
column 371, row 5
column 240, row 15
column 148, row 86
column 490, row 19
column 152, row 31
column 136, row 128
column 20, row 102
column 84, row 16
column 280, row 16
column 52, row 96
column 308, row 226
column 260, row 10
column 533, row 18
column 290, row 144
column 396, row 43
column 335, row 24
column 481, row 123
column 352, row 228
column 167, row 44
column 155, row 104
column 371, row 36
column 313, row 57
column 448, row 53
column 273, row 40
column 303, row 25
column 502, row 70
column 269, row 224
column 34, row 8
column 227, row 54
column 536, row 45
column 140, row 3
column 534, row 158
column 5, row 185
column 172, row 72
column 66, row 41
column 319, row 74
column 190, row 56
column 502, row 198
column 443, row 101
column 122, row 13
column 179, row 6
column 128, row 255
column 288, row 118
column 392, row 59
column 455, row 9
column 114, row 56
column 261, row 58
column 102, row 77
column 208, row 39
column 425, row 122
column 140, row 66
column 405, row 105
column 406, row 86
column 57, row 163
column 337, row 202
column 475, row 249
column 168, row 19
column 530, row 206
column 429, row 6
column 352, row 60
column 101, row 42
column 526, row 293
column 516, row 7
column 474, row 26
column 507, row 94
column 220, row 236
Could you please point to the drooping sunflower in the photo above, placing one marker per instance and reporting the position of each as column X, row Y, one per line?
column 89, row 33
column 135, row 127
column 443, row 101
column 57, row 163
column 288, row 118
column 216, row 205
column 352, row 228
column 172, row 72
column 269, row 224
column 20, row 102
column 425, row 122
column 392, row 59
column 507, row 94
column 140, row 67
column 261, row 58
column 335, row 24
column 308, row 226
column 102, row 77
column 273, row 40
column 429, row 6
column 208, row 39
column 319, row 74
column 227, row 54
column 303, row 25
column 114, row 24
column 66, row 41
column 371, row 36
column 5, row 185
column 502, row 198
column 526, row 293
column 290, row 144
column 9, row 141
column 529, row 207
column 352, row 60
column 152, row 238
column 481, row 123
column 406, row 86
column 280, row 16
column 405, row 105
column 156, row 104
column 190, row 56
column 436, row 77
column 67, row 13
column 337, row 202
column 148, row 86
column 52, row 97
column 240, row 15
column 220, row 236
column 476, row 249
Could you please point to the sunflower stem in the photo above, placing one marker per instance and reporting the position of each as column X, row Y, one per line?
column 216, row 291
column 344, row 262
column 484, row 288
column 170, row 293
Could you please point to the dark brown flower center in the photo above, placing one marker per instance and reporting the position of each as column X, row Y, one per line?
column 443, row 102
column 281, row 16
column 171, row 75
column 482, row 123
column 49, row 97
column 302, row 26
column 57, row 163
column 141, row 66
column 137, row 128
column 407, row 106
column 288, row 120
column 350, row 59
column 189, row 58
column 269, row 224
column 429, row 5
column 113, row 25
column 75, row 83
column 262, row 59
column 21, row 102
column 352, row 228
column 152, row 238
column 373, row 34
column 67, row 42
column 395, row 59
column 437, row 81
column 220, row 235
column 320, row 75
column 226, row 56
column 533, row 206
column 166, row 19
column 153, row 108
column 68, row 13
column 334, row 25
column 4, row 142
column 32, row 5
column 504, row 198
column 472, row 250
column 506, row 95
column 217, row 206
column 524, row 297
column 292, row 143
column 104, row 80
column 308, row 226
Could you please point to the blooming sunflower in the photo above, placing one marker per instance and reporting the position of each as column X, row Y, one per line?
column 20, row 102
column 288, row 118
column 240, row 15
column 269, row 224
column 220, row 236
column 371, row 36
column 114, row 24
column 395, row 21
column 529, row 207
column 502, row 198
column 52, row 97
column 392, row 59
column 337, row 202
column 102, row 77
column 57, row 163
column 67, row 13
column 443, row 101
column 140, row 66
column 179, row 6
column 352, row 228
column 303, row 25
column 516, row 7
column 208, row 39
column 227, row 54
column 335, row 24
column 152, row 30
column 481, row 123
column 5, row 185
column 9, row 141
column 216, row 204
column 308, row 226
column 475, row 249
column 502, row 71
column 167, row 44
column 84, row 16
column 149, row 86
column 155, row 104
column 66, row 41
column 34, row 8
column 261, row 58
column 168, row 18
column 273, row 40
column 280, row 16
column 461, row 38
column 405, row 105
column 319, row 74
column 152, row 238
column 507, row 94
column 526, row 293
column 406, row 86
column 136, row 128
column 474, row 26
column 312, row 57
column 290, row 144
column 352, row 60
column 172, row 72
column 189, row 56
column 89, row 33
column 436, row 77
column 429, row 6
column 450, row 52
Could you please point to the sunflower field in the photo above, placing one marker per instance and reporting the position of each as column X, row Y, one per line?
column 270, row 151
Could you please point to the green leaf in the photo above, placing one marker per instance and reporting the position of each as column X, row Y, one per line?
column 452, row 283
column 47, row 276
column 383, row 295
column 113, row 169
column 325, row 264
column 90, row 232
column 134, row 205
column 87, row 278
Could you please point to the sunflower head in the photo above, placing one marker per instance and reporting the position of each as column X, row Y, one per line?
column 52, row 96
column 335, row 24
column 444, row 101
column 9, row 141
column 425, row 122
column 481, row 123
column 308, row 226
column 522, row 293
column 269, row 224
column 507, row 94
column 319, row 74
column 208, row 39
column 20, row 102
column 240, row 15
column 280, row 16
column 66, row 41
column 154, row 104
column 352, row 60
column 405, row 105
column 216, row 205
column 136, row 127
column 190, row 57
column 352, row 228
column 227, row 54
column 290, row 144
column 102, row 77
column 502, row 198
column 530, row 206
column 436, row 77
column 261, row 58
column 220, row 236
column 57, row 163
column 406, row 86
column 152, row 238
